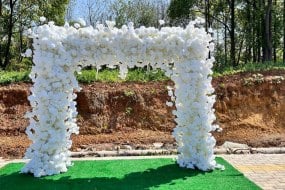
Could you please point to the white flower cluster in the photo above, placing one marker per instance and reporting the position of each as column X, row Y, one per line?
column 59, row 52
column 194, row 112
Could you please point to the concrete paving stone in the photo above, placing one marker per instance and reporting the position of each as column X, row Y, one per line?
column 266, row 170
column 279, row 187
column 266, row 186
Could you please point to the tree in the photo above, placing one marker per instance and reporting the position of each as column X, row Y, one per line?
column 277, row 29
column 232, row 32
column 16, row 17
column 161, row 11
column 0, row 7
column 140, row 12
column 9, row 32
column 97, row 11
column 70, row 10
column 53, row 10
column 284, row 31
column 267, row 32
column 181, row 11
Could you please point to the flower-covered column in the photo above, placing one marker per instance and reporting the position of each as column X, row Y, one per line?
column 52, row 119
column 194, row 115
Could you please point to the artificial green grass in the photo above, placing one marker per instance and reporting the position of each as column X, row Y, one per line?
column 127, row 175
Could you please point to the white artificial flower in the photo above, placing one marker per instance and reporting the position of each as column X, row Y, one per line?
column 131, row 25
column 81, row 21
column 100, row 27
column 110, row 24
column 210, row 30
column 76, row 25
column 42, row 19
column 161, row 22
column 211, row 47
column 170, row 93
column 200, row 20
column 51, row 23
column 169, row 104
column 66, row 25
column 28, row 53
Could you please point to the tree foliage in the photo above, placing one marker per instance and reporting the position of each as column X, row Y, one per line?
column 53, row 10
column 181, row 11
column 140, row 12
column 16, row 16
column 244, row 30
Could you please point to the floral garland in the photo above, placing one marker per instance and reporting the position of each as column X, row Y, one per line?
column 59, row 52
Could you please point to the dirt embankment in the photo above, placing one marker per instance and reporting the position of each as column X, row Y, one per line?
column 249, row 108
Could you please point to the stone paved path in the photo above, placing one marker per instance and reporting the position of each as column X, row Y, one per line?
column 266, row 170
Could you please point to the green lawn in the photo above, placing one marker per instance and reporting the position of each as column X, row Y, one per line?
column 127, row 175
column 88, row 76
column 7, row 77
column 250, row 67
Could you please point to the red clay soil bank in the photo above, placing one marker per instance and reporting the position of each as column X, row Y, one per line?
column 250, row 109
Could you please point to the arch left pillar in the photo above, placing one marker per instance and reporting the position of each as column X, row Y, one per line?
column 52, row 120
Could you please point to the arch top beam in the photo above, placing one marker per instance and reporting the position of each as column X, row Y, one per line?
column 108, row 45
column 59, row 51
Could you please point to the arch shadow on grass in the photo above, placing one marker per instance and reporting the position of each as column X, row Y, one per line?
column 126, row 175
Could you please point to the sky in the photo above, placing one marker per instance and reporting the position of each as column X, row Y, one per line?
column 78, row 12
column 80, row 6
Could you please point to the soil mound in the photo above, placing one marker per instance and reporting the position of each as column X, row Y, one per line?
column 250, row 108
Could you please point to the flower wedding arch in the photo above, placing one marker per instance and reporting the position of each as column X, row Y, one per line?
column 59, row 52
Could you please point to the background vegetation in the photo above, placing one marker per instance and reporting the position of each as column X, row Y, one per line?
column 137, row 75
column 245, row 32
column 16, row 16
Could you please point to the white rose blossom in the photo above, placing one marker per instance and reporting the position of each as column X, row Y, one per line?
column 76, row 25
column 28, row 53
column 81, row 21
column 58, row 52
column 161, row 22
column 42, row 19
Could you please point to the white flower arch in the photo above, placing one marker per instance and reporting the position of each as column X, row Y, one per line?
column 59, row 52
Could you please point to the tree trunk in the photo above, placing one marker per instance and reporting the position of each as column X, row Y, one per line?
column 254, row 33
column 267, row 52
column 208, row 11
column 275, row 43
column 1, row 51
column 9, row 35
column 206, row 15
column 21, row 30
column 249, row 39
column 208, row 23
column 225, row 43
column 284, row 31
column 240, row 48
column 0, row 8
column 260, row 30
column 232, row 33
column 21, row 41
